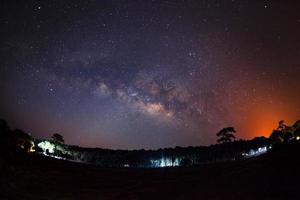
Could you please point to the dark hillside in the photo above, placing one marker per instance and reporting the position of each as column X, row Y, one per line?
column 271, row 176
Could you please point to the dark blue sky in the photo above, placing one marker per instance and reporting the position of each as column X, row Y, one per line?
column 149, row 74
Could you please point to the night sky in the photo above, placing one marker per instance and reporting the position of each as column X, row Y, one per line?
column 149, row 74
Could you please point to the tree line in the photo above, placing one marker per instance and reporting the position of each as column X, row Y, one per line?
column 227, row 148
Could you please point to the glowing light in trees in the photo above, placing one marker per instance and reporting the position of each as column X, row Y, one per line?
column 257, row 152
column 46, row 145
column 32, row 147
column 165, row 162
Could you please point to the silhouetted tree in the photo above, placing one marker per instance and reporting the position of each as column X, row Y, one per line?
column 6, row 139
column 58, row 138
column 4, row 128
column 283, row 132
column 276, row 136
column 297, row 133
column 281, row 125
column 296, row 127
column 22, row 140
column 226, row 135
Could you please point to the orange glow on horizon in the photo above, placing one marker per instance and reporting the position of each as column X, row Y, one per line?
column 262, row 120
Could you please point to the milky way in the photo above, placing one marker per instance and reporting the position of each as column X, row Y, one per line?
column 149, row 74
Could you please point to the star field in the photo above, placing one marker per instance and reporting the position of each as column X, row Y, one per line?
column 149, row 74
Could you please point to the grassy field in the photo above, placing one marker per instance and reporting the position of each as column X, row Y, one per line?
column 271, row 176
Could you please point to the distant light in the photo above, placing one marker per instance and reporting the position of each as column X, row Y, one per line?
column 46, row 145
column 165, row 162
column 257, row 152
column 57, row 157
column 32, row 147
column 298, row 138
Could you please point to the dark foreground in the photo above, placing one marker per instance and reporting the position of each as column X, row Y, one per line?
column 272, row 176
